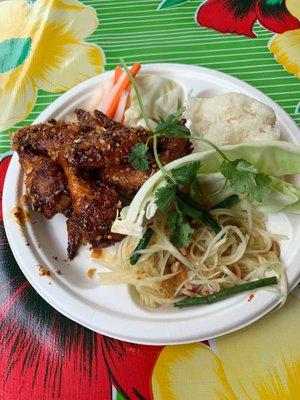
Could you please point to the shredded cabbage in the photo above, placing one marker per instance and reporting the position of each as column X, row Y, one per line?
column 161, row 97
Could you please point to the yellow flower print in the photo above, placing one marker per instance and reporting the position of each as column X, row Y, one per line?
column 286, row 47
column 261, row 362
column 42, row 47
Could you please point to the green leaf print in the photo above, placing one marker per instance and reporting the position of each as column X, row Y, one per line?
column 13, row 52
column 170, row 3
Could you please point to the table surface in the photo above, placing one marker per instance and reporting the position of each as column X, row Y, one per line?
column 47, row 47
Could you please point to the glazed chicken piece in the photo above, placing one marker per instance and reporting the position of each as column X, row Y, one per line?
column 98, row 142
column 93, row 121
column 56, row 139
column 106, row 142
column 121, row 174
column 121, row 140
column 171, row 149
column 125, row 178
column 94, row 204
column 49, row 138
column 95, row 207
column 46, row 185
column 82, row 147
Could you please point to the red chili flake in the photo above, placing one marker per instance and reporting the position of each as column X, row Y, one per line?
column 150, row 223
column 251, row 297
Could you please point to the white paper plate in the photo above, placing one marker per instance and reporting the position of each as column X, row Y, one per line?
column 111, row 310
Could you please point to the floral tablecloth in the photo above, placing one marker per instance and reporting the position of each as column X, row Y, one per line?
column 47, row 47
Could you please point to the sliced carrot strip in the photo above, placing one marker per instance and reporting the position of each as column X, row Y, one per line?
column 118, row 73
column 122, row 84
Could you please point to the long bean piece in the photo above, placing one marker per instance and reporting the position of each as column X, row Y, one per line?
column 195, row 210
column 244, row 287
column 230, row 201
column 143, row 243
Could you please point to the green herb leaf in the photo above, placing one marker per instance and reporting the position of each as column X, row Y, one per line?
column 171, row 126
column 182, row 234
column 186, row 175
column 181, row 230
column 164, row 197
column 172, row 220
column 244, row 166
column 263, row 187
column 138, row 157
column 245, row 179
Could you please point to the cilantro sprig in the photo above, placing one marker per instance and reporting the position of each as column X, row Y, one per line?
column 171, row 126
column 186, row 175
column 181, row 230
column 245, row 179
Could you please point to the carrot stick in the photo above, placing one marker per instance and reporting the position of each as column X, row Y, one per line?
column 122, row 84
column 118, row 73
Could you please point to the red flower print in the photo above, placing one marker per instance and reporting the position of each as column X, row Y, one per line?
column 4, row 163
column 239, row 16
column 130, row 367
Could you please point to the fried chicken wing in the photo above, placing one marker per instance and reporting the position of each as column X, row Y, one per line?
column 95, row 207
column 128, row 180
column 93, row 121
column 171, row 149
column 106, row 143
column 46, row 185
column 121, row 141
column 50, row 138
column 125, row 178
column 82, row 148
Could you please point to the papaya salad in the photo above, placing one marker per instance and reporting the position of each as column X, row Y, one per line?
column 196, row 232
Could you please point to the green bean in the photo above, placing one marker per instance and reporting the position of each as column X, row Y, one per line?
column 143, row 243
column 244, row 287
column 230, row 201
column 196, row 211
